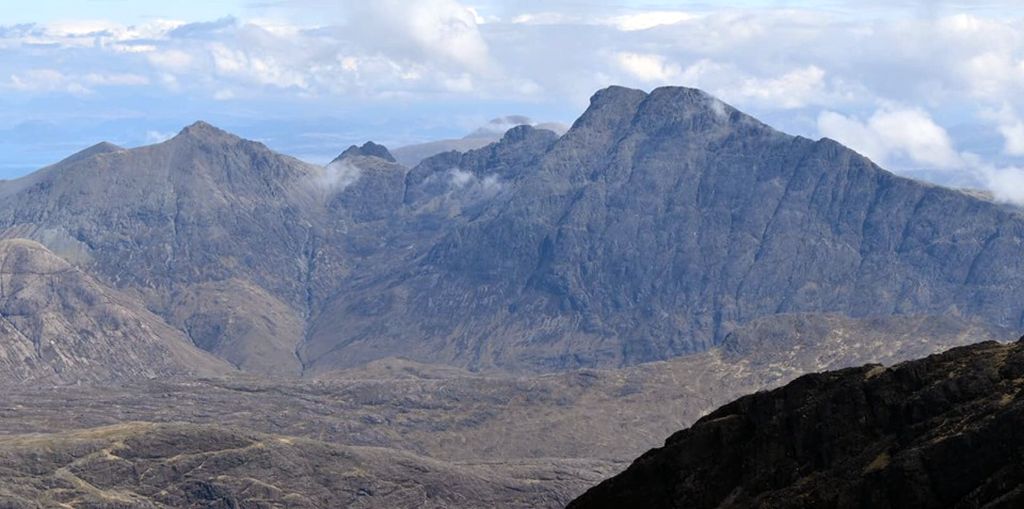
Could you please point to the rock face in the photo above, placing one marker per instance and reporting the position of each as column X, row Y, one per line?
column 943, row 431
column 58, row 325
column 656, row 226
column 207, row 229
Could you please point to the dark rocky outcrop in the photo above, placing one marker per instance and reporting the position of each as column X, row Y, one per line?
column 944, row 431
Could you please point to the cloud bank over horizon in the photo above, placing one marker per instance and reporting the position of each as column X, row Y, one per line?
column 929, row 89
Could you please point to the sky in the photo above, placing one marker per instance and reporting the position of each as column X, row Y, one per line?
column 929, row 89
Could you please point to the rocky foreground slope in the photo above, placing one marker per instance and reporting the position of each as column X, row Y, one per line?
column 944, row 431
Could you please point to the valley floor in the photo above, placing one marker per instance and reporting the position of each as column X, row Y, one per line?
column 513, row 441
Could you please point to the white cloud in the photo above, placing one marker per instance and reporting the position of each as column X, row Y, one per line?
column 115, row 79
column 1010, row 126
column 174, row 60
column 337, row 176
column 45, row 80
column 52, row 80
column 889, row 132
column 158, row 136
column 1013, row 133
column 648, row 19
column 444, row 29
column 224, row 94
column 992, row 75
column 1006, row 184
column 913, row 134
column 468, row 183
column 262, row 69
column 796, row 88
column 648, row 68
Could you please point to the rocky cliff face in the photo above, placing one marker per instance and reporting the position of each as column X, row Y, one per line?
column 658, row 224
column 58, row 325
column 938, row 432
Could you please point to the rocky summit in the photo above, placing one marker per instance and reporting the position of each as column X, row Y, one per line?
column 943, row 431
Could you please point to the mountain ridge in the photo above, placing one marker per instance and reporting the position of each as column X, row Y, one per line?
column 655, row 226
column 631, row 147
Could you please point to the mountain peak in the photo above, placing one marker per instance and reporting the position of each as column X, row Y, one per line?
column 103, row 147
column 201, row 130
column 616, row 94
column 693, row 109
column 690, row 109
column 369, row 149
column 610, row 109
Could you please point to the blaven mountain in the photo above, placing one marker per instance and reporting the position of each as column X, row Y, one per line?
column 658, row 224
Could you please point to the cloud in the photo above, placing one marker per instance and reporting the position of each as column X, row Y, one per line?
column 263, row 69
column 470, row 186
column 1010, row 126
column 174, row 60
column 793, row 89
column 52, row 80
column 442, row 29
column 337, row 176
column 45, row 80
column 1006, row 184
column 648, row 68
column 649, row 19
column 891, row 132
column 911, row 133
column 158, row 137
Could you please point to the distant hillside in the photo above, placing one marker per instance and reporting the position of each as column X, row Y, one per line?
column 411, row 155
column 58, row 325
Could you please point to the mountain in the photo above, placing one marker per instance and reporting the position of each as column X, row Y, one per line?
column 206, row 229
column 58, row 325
column 180, row 465
column 369, row 149
column 411, row 155
column 654, row 227
column 937, row 432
